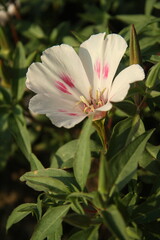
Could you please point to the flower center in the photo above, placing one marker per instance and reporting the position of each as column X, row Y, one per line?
column 94, row 103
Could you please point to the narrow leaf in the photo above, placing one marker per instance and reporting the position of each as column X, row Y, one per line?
column 50, row 220
column 87, row 234
column 19, row 213
column 122, row 134
column 123, row 166
column 153, row 76
column 103, row 176
column 19, row 131
column 82, row 162
column 115, row 222
column 19, row 72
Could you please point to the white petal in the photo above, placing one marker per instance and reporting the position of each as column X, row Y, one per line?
column 63, row 61
column 62, row 112
column 40, row 79
column 106, row 107
column 101, row 57
column 121, row 84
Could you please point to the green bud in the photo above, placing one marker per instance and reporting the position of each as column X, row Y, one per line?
column 135, row 54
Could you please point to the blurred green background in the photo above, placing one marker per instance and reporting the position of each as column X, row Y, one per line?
column 28, row 29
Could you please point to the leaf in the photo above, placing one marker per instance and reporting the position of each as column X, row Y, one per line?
column 64, row 156
column 19, row 213
column 78, row 220
column 5, row 138
column 82, row 161
column 56, row 234
column 79, row 37
column 88, row 234
column 4, row 45
column 122, row 134
column 148, row 211
column 127, row 107
column 103, row 176
column 123, row 166
column 30, row 30
column 50, row 221
column 136, row 18
column 50, row 179
column 149, row 160
column 153, row 76
column 149, row 5
column 19, row 131
column 140, row 22
column 19, row 72
column 46, row 184
column 115, row 222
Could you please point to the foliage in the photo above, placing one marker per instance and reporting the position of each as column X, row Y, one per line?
column 120, row 199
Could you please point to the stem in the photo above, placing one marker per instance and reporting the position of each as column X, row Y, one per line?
column 99, row 125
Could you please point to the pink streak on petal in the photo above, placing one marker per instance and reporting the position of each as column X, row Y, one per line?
column 97, row 68
column 72, row 114
column 105, row 71
column 69, row 114
column 62, row 87
column 61, row 110
column 67, row 79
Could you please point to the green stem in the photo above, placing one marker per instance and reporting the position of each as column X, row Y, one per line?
column 99, row 125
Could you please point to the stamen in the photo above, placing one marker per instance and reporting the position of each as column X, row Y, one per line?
column 84, row 100
column 89, row 106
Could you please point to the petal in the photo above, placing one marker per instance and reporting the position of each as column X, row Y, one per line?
column 64, row 63
column 40, row 79
column 105, row 107
column 121, row 84
column 101, row 57
column 62, row 112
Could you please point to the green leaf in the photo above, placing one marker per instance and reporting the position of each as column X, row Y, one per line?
column 19, row 72
column 5, row 138
column 103, row 176
column 47, row 184
column 149, row 161
column 153, row 76
column 115, row 222
column 64, row 156
column 149, row 5
column 127, row 107
column 57, row 179
column 88, row 234
column 4, row 45
column 136, row 18
column 30, row 30
column 19, row 131
column 148, row 211
column 78, row 220
column 19, row 213
column 140, row 23
column 56, row 234
column 124, row 165
column 50, row 221
column 79, row 37
column 122, row 134
column 82, row 161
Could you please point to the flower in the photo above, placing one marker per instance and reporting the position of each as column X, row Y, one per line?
column 70, row 86
column 11, row 10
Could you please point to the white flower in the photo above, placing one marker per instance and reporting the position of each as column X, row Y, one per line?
column 11, row 10
column 71, row 87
